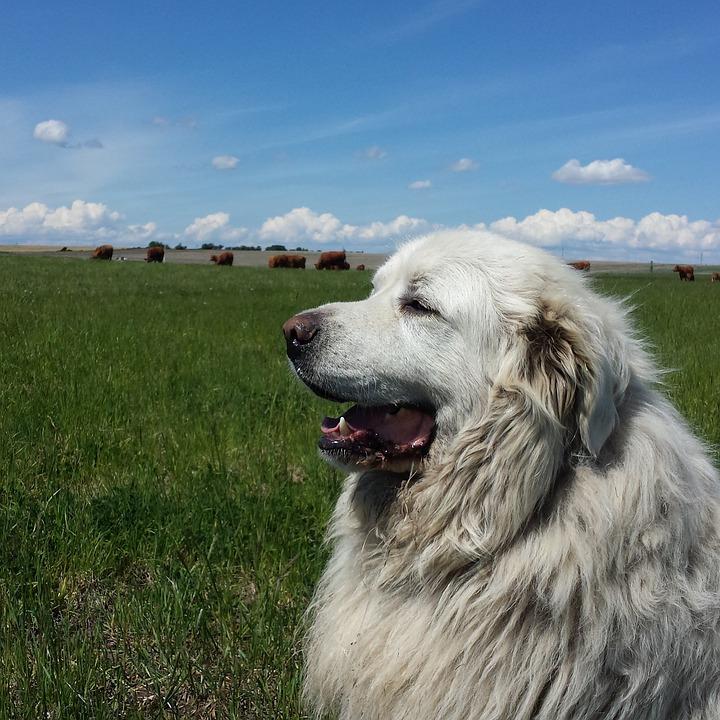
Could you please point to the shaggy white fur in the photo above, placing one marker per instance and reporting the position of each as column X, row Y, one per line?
column 556, row 555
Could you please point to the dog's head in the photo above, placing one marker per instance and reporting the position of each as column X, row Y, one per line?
column 463, row 330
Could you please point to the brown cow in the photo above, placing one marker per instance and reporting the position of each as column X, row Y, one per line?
column 155, row 254
column 103, row 252
column 224, row 258
column 715, row 277
column 333, row 260
column 360, row 267
column 685, row 272
column 287, row 261
column 580, row 265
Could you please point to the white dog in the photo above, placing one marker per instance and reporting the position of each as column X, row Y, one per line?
column 529, row 529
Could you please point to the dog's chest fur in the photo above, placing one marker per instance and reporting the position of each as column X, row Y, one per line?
column 379, row 650
column 523, row 638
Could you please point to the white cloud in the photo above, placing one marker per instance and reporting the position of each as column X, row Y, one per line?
column 80, row 223
column 599, row 172
column 213, row 227
column 225, row 162
column 203, row 227
column 375, row 152
column 78, row 219
column 652, row 232
column 55, row 132
column 548, row 228
column 463, row 165
column 302, row 225
column 664, row 231
column 401, row 226
column 29, row 220
column 80, row 216
column 420, row 185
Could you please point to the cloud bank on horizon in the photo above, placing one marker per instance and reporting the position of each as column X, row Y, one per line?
column 84, row 223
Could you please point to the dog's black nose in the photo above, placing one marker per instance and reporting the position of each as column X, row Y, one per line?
column 299, row 330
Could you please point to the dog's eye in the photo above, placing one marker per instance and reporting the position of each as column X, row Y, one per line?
column 413, row 305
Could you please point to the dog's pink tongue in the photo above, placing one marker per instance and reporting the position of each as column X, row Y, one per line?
column 402, row 427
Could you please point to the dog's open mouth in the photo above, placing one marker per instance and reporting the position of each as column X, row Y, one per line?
column 379, row 435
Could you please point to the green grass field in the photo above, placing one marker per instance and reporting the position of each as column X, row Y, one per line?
column 162, row 504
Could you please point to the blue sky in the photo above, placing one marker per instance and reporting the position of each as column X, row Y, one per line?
column 358, row 124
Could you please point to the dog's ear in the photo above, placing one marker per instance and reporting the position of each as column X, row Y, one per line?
column 597, row 412
column 571, row 373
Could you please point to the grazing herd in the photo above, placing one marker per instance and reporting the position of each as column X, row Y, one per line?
column 334, row 260
column 337, row 260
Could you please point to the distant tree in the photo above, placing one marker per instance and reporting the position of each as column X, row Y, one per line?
column 299, row 249
column 276, row 248
column 245, row 247
column 180, row 246
column 211, row 246
column 155, row 243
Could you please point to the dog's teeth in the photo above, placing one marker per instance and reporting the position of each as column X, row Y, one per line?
column 344, row 427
